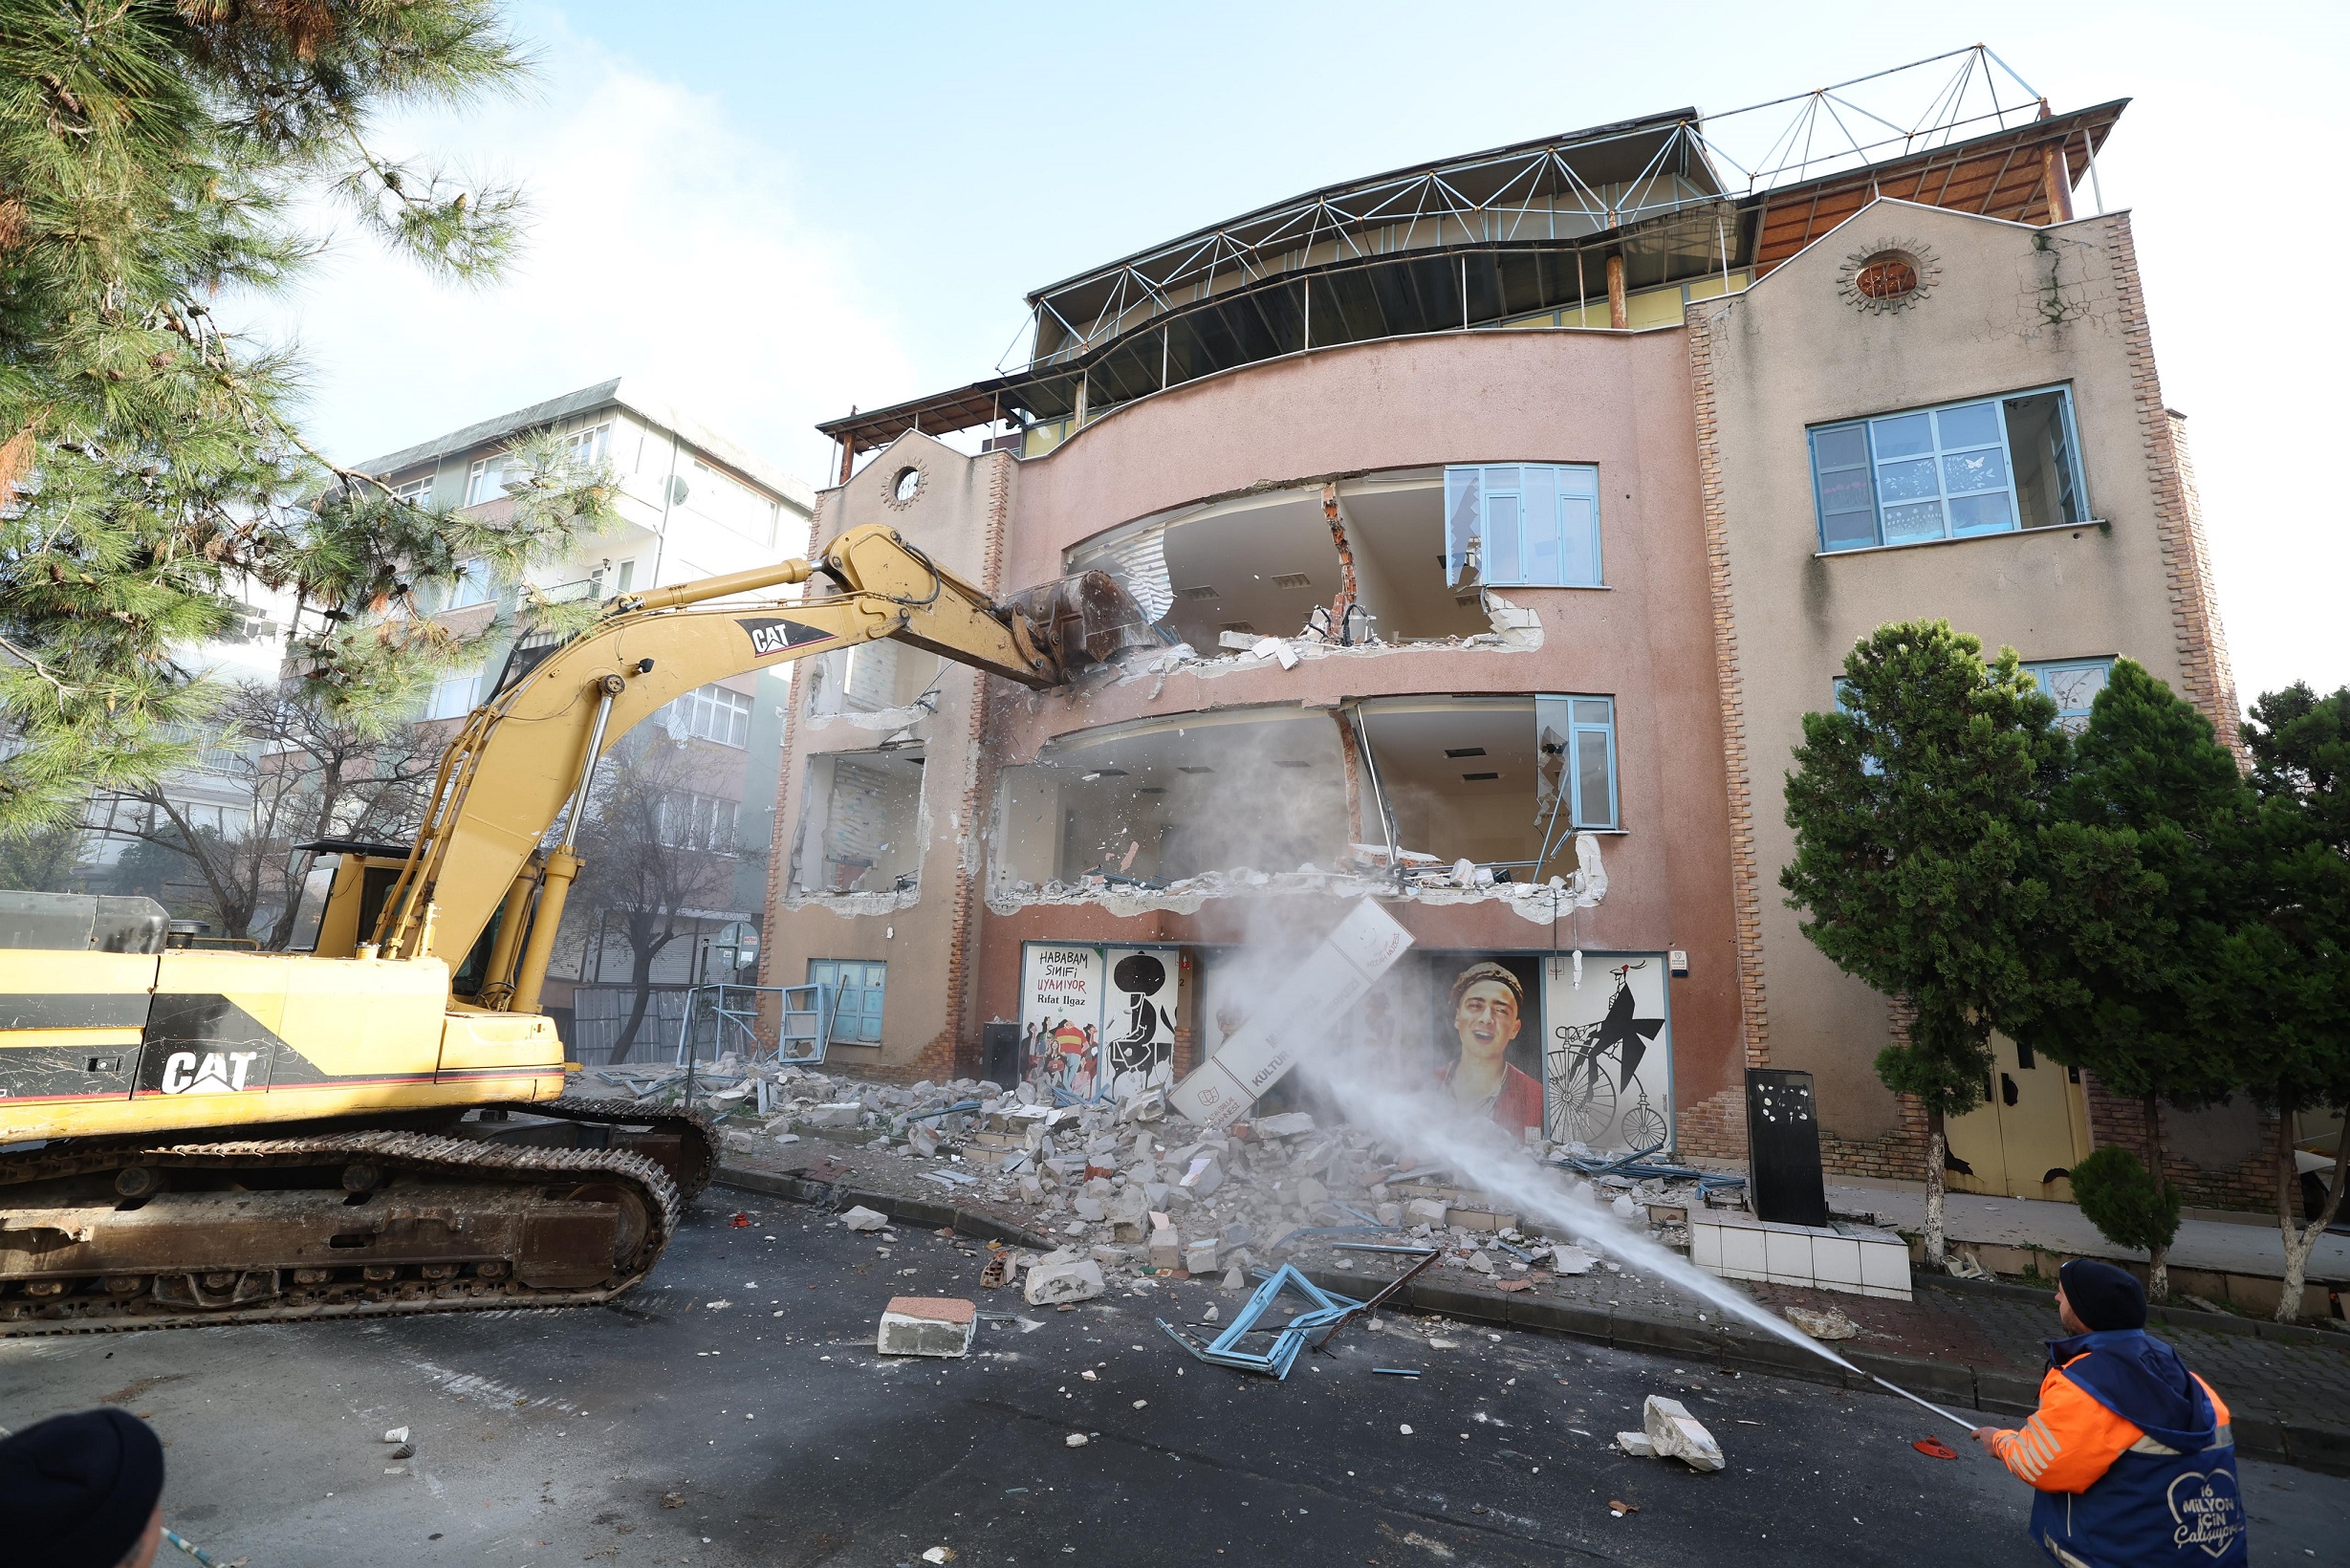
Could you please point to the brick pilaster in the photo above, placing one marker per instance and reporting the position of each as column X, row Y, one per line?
column 954, row 1050
column 1746, row 891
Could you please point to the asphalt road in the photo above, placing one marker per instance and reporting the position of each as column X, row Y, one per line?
column 733, row 1412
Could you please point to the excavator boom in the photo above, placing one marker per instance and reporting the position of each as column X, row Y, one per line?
column 210, row 1137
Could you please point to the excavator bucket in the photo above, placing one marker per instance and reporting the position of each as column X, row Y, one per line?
column 1083, row 620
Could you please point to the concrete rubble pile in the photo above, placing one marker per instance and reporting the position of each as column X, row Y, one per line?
column 1129, row 1192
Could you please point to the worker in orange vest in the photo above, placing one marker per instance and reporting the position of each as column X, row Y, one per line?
column 2129, row 1454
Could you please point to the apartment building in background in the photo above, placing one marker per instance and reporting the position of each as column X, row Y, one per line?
column 1491, row 514
column 692, row 504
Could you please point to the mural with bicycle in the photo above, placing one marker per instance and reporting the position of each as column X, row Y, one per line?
column 1607, row 1054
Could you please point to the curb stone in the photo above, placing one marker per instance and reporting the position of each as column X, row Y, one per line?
column 2303, row 1444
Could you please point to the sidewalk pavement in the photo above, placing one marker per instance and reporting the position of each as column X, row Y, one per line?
column 2215, row 1245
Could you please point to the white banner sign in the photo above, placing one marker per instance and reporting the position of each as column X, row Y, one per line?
column 1317, row 994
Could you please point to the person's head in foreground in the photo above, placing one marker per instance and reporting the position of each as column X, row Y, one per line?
column 2094, row 1297
column 82, row 1490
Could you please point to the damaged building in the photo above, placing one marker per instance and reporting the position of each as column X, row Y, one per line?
column 1495, row 521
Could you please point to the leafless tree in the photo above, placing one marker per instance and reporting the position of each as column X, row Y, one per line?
column 309, row 776
column 648, row 858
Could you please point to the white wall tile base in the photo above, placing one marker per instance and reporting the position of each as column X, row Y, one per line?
column 1859, row 1259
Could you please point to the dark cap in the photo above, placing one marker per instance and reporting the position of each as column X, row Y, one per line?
column 2101, row 1295
column 77, row 1490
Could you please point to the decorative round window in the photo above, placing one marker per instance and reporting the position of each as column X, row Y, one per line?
column 904, row 486
column 1887, row 276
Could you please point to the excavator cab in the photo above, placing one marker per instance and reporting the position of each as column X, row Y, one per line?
column 342, row 885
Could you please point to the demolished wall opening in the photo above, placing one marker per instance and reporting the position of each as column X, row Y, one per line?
column 877, row 677
column 1503, row 781
column 1355, row 560
column 861, row 830
column 1252, row 789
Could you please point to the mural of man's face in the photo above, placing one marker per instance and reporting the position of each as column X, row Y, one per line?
column 1486, row 1020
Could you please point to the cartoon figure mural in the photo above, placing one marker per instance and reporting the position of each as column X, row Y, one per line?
column 1085, row 1039
column 1142, row 1052
column 1609, row 1057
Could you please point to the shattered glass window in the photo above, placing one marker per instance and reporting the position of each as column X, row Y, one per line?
column 2073, row 684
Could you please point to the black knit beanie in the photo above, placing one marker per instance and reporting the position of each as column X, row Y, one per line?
column 2101, row 1295
column 77, row 1490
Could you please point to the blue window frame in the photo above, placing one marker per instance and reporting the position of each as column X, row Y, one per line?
column 1991, row 465
column 2073, row 685
column 857, row 998
column 1531, row 524
column 1582, row 731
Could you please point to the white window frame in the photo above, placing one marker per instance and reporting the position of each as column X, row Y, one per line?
column 1569, row 484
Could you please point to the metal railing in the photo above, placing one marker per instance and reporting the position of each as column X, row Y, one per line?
column 785, row 1024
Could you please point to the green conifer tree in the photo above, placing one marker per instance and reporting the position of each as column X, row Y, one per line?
column 2147, row 857
column 1914, row 807
column 2290, row 969
column 157, row 158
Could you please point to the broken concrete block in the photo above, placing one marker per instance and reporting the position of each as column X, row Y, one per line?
column 1637, row 1445
column 1200, row 1258
column 843, row 1114
column 398, row 1434
column 1166, row 1250
column 921, row 1139
column 1570, row 1260
column 1032, row 1189
column 1390, row 1216
column 1310, row 1193
column 1831, row 1324
column 1234, row 1280
column 1111, row 1257
column 1287, row 1125
column 928, row 1325
column 1424, row 1211
column 1204, row 1177
column 1055, row 1280
column 1092, row 1210
column 1676, row 1434
column 862, row 1218
column 1154, row 1193
column 1480, row 1263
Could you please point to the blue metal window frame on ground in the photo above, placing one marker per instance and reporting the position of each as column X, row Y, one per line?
column 1942, row 471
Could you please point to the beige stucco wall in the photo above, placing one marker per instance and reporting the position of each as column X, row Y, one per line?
column 2010, row 306
column 954, row 518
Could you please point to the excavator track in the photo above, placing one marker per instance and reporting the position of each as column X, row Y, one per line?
column 680, row 1139
column 114, row 1236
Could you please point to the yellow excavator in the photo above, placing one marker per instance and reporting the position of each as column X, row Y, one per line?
column 377, row 1123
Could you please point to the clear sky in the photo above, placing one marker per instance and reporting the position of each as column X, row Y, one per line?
column 773, row 211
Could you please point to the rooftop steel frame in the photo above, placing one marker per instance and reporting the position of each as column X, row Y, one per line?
column 1480, row 239
column 1589, row 181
